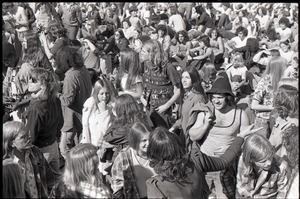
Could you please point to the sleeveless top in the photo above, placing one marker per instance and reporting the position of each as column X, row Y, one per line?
column 219, row 138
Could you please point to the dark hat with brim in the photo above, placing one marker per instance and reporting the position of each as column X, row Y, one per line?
column 221, row 85
column 133, row 8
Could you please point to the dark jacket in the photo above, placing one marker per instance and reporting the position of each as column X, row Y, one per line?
column 44, row 121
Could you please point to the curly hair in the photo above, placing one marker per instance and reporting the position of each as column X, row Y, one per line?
column 168, row 157
column 184, row 33
column 290, row 140
column 286, row 101
column 34, row 52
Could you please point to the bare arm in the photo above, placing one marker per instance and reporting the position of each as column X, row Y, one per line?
column 200, row 127
column 259, row 107
column 169, row 103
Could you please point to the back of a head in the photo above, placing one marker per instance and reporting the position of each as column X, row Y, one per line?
column 13, row 180
column 290, row 140
column 257, row 148
column 164, row 145
column 81, row 164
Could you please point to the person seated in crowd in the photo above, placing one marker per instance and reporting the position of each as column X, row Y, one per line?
column 260, row 172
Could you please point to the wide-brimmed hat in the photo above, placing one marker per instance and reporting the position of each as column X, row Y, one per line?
column 221, row 85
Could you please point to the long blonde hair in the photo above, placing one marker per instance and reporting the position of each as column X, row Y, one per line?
column 275, row 68
column 82, row 166
column 256, row 148
column 11, row 130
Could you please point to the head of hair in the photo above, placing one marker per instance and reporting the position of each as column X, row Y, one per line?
column 128, row 22
column 216, row 30
column 208, row 71
column 11, row 129
column 285, row 21
column 57, row 30
column 82, row 166
column 256, row 148
column 286, row 101
column 34, row 53
column 290, row 140
column 136, row 132
column 205, row 39
column 120, row 31
column 130, row 64
column 167, row 155
column 156, row 53
column 173, row 10
column 103, row 82
column 163, row 28
column 13, row 180
column 243, row 30
column 126, row 109
column 67, row 57
column 164, row 16
column 48, row 80
column 196, row 80
column 263, row 10
column 200, row 9
column 275, row 67
column 184, row 33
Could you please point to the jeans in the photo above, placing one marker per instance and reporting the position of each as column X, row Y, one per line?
column 51, row 154
column 67, row 141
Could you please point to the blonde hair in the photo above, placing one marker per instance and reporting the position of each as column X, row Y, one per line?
column 11, row 129
column 12, row 180
column 256, row 148
column 82, row 166
column 275, row 68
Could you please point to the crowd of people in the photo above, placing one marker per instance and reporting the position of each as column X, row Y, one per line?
column 150, row 100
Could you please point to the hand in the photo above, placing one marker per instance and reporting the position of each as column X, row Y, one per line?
column 248, row 130
column 172, row 129
column 208, row 118
column 161, row 108
column 102, row 106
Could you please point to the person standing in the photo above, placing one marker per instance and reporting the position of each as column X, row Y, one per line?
column 77, row 87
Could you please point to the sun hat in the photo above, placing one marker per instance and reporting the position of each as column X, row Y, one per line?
column 221, row 85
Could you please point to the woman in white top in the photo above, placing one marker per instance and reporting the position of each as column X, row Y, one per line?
column 97, row 112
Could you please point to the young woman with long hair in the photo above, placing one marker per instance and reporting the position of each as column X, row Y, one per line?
column 97, row 112
column 81, row 177
column 192, row 94
column 161, row 83
column 258, row 164
column 129, row 77
column 134, row 160
column 263, row 95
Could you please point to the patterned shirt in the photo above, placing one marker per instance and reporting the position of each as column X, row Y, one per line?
column 264, row 95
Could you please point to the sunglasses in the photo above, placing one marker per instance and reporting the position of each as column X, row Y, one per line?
column 33, row 80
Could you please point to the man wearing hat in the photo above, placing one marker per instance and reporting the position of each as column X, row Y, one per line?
column 135, row 21
column 228, row 121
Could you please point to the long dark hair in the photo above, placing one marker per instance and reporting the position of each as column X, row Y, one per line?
column 168, row 157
